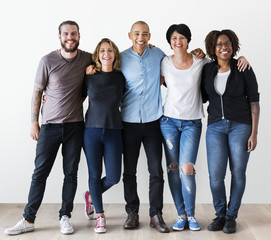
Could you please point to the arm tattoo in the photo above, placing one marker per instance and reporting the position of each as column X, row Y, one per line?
column 36, row 102
column 255, row 108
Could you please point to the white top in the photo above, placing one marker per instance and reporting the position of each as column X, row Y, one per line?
column 183, row 99
column 221, row 81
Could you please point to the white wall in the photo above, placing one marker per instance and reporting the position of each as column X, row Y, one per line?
column 29, row 31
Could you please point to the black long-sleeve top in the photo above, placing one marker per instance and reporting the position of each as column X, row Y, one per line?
column 105, row 91
column 234, row 104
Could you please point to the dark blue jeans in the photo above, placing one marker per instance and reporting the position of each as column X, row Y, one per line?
column 51, row 136
column 150, row 135
column 102, row 143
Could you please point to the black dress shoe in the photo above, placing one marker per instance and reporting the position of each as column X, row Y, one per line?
column 158, row 223
column 131, row 221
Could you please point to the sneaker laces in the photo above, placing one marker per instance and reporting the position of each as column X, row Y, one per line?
column 100, row 222
column 180, row 219
column 229, row 218
column 21, row 223
column 192, row 219
column 66, row 222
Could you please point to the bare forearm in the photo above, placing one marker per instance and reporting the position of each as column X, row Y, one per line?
column 255, row 115
column 36, row 102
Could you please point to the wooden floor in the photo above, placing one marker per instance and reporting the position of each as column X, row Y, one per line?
column 253, row 223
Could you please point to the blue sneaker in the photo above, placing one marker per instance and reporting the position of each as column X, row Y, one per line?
column 193, row 224
column 179, row 224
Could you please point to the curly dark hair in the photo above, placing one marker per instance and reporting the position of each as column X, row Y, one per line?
column 211, row 41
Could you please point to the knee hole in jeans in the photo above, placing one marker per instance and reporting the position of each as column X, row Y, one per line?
column 188, row 169
column 173, row 166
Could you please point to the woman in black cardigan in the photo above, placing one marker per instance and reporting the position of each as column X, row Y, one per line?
column 233, row 115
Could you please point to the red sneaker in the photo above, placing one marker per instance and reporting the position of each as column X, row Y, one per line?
column 100, row 226
column 89, row 208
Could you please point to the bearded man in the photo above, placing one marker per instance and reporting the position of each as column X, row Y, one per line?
column 60, row 77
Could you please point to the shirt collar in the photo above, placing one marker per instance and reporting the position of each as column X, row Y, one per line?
column 144, row 53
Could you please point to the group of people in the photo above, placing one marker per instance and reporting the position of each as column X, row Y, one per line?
column 125, row 110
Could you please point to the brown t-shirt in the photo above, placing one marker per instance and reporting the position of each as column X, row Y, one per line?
column 63, row 80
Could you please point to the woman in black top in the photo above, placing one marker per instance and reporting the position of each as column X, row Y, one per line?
column 102, row 135
column 233, row 115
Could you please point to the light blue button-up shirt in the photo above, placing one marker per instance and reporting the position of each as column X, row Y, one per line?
column 142, row 101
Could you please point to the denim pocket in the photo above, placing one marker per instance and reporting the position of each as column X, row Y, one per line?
column 196, row 122
column 163, row 120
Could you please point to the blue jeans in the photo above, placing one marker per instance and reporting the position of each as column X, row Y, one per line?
column 181, row 141
column 99, row 143
column 227, row 141
column 51, row 136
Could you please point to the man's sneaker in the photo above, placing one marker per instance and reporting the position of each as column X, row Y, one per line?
column 100, row 226
column 21, row 227
column 193, row 224
column 66, row 226
column 179, row 224
column 217, row 224
column 89, row 208
column 230, row 225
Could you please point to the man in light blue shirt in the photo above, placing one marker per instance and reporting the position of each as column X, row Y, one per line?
column 141, row 110
column 142, row 100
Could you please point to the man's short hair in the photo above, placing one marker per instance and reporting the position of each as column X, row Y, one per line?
column 68, row 22
column 140, row 22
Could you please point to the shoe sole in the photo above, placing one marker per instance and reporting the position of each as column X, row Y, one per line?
column 131, row 228
column 229, row 232
column 67, row 232
column 194, row 229
column 165, row 231
column 177, row 229
column 20, row 231
column 91, row 216
column 215, row 229
column 100, row 230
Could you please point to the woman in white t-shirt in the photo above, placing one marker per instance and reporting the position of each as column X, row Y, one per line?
column 181, row 123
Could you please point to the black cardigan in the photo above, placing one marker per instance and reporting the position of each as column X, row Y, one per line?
column 233, row 105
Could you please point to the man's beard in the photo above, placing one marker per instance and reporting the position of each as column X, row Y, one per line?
column 70, row 50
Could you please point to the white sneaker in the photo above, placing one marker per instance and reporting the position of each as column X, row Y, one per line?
column 66, row 226
column 100, row 226
column 21, row 227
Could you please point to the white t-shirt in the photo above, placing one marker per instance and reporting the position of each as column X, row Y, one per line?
column 183, row 99
column 221, row 81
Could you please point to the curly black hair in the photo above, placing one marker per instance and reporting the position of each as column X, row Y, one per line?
column 211, row 41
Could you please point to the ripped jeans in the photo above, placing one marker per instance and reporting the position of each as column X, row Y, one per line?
column 181, row 141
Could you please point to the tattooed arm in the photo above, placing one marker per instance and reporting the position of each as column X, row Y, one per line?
column 255, row 114
column 35, row 110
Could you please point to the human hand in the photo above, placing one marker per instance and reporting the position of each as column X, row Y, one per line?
column 44, row 98
column 198, row 53
column 34, row 130
column 243, row 64
column 151, row 46
column 252, row 143
column 90, row 70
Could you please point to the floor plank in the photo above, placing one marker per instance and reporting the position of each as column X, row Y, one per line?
column 253, row 223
